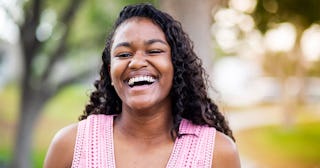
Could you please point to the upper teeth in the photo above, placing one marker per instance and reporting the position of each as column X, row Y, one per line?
column 140, row 79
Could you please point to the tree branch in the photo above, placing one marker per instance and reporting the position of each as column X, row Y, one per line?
column 28, row 31
column 29, row 43
column 60, row 52
column 70, row 11
column 36, row 11
column 69, row 81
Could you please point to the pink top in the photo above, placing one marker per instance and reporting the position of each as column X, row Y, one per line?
column 94, row 145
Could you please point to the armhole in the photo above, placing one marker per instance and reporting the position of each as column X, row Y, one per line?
column 211, row 141
column 79, row 144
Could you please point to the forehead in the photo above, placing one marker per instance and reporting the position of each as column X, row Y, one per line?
column 138, row 28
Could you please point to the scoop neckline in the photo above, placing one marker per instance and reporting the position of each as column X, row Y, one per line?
column 173, row 153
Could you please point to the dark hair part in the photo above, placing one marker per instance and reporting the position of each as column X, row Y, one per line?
column 189, row 91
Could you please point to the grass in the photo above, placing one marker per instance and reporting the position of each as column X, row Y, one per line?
column 9, row 104
column 276, row 147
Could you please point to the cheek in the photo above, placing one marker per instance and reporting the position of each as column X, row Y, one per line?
column 115, row 70
column 168, row 68
column 167, row 71
column 170, row 71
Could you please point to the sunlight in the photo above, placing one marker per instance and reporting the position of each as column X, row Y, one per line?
column 227, row 38
column 231, row 78
column 10, row 31
column 246, row 23
column 227, row 17
column 282, row 38
column 45, row 29
column 243, row 5
column 310, row 43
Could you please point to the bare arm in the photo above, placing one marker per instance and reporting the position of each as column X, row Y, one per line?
column 60, row 152
column 225, row 153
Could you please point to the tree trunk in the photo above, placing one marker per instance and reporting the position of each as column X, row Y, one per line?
column 301, row 75
column 35, row 91
column 287, row 103
column 196, row 19
column 294, row 88
column 30, row 107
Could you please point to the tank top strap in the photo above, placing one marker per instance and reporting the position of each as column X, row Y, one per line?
column 194, row 148
column 94, row 142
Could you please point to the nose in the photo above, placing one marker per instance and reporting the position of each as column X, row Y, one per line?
column 138, row 61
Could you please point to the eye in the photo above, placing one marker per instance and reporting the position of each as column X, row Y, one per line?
column 155, row 51
column 123, row 55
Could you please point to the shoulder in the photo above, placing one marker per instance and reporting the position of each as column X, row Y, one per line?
column 225, row 152
column 60, row 152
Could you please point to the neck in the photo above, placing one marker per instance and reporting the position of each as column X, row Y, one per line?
column 151, row 127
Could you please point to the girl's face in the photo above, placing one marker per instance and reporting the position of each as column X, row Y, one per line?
column 141, row 68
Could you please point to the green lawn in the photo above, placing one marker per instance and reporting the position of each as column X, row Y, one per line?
column 275, row 147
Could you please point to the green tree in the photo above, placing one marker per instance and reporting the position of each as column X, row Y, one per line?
column 302, row 15
column 257, row 25
column 54, row 33
column 77, row 30
column 35, row 87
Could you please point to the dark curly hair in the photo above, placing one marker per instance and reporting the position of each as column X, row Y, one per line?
column 189, row 90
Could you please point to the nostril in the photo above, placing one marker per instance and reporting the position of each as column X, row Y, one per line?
column 136, row 63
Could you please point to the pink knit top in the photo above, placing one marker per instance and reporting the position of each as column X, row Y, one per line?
column 94, row 145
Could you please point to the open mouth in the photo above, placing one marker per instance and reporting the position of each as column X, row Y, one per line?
column 141, row 80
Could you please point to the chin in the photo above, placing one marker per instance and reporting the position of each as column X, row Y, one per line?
column 140, row 106
column 146, row 103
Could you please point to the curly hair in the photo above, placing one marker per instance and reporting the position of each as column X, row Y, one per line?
column 189, row 95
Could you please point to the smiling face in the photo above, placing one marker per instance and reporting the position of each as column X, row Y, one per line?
column 141, row 68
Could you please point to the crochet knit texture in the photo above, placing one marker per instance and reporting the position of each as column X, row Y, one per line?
column 95, row 148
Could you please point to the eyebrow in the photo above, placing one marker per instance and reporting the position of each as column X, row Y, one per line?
column 149, row 42
column 123, row 44
column 155, row 41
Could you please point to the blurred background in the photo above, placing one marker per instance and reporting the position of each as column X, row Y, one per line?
column 262, row 57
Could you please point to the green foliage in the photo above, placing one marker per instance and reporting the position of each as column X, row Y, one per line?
column 302, row 13
column 61, row 38
column 5, row 153
column 95, row 22
column 59, row 7
column 62, row 110
column 92, row 23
